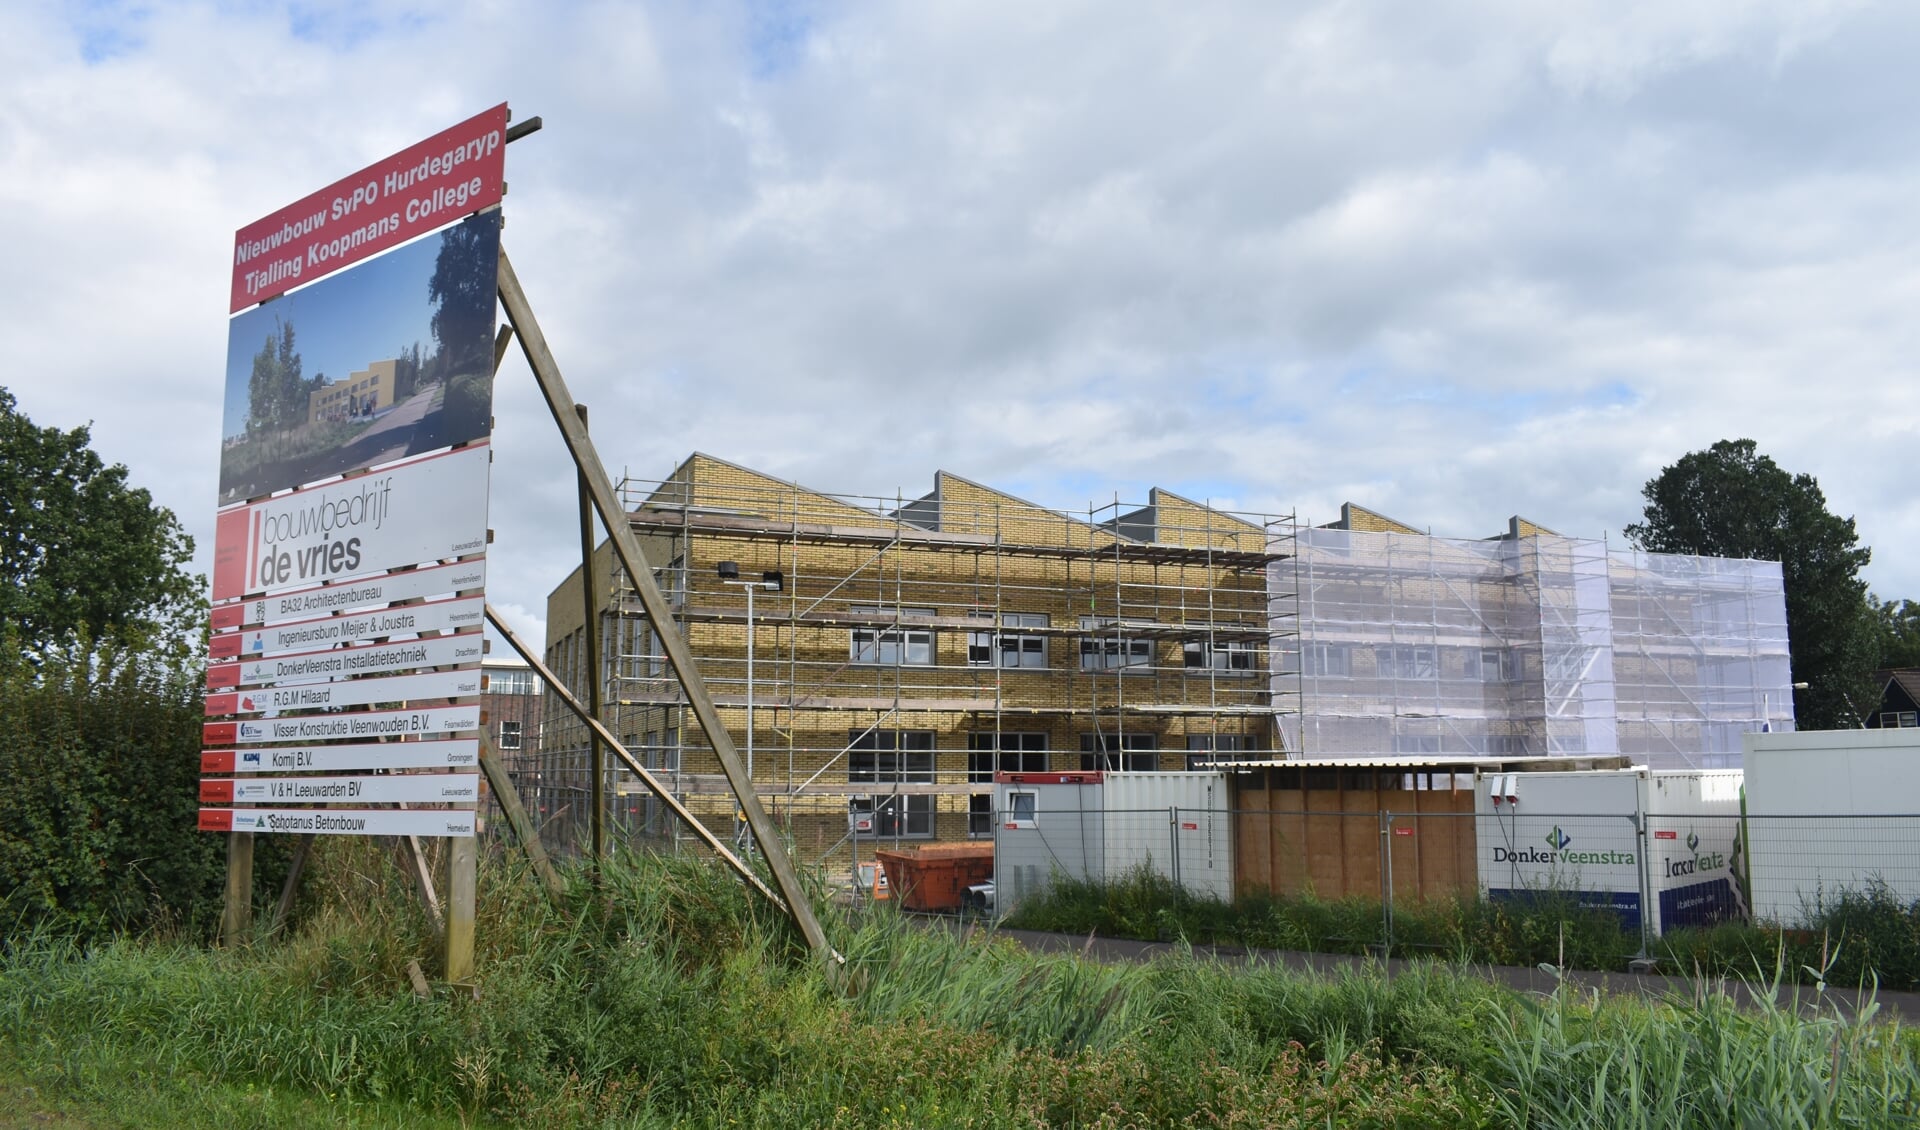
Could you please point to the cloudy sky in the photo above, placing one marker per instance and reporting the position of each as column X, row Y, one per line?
column 1452, row 262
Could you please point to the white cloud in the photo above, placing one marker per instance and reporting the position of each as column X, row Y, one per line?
column 1451, row 265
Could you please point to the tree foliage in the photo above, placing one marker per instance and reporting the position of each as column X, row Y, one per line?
column 1899, row 633
column 83, row 555
column 1731, row 501
column 463, row 287
column 277, row 393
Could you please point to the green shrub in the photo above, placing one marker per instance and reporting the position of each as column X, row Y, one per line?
column 99, row 787
column 466, row 404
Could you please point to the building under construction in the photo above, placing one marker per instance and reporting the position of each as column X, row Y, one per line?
column 901, row 650
column 1527, row 644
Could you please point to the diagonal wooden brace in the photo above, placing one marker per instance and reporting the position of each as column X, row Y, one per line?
column 546, row 372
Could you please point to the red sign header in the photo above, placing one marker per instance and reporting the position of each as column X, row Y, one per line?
column 425, row 186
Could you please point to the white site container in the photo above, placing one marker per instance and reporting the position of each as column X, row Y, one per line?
column 1637, row 842
column 1831, row 811
column 1102, row 826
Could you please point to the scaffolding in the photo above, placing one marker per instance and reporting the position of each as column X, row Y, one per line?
column 916, row 644
column 1536, row 645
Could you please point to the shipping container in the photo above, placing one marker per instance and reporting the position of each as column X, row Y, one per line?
column 1657, row 846
column 1831, row 811
column 1103, row 826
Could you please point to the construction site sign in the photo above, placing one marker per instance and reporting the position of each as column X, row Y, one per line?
column 408, row 788
column 440, row 753
column 455, row 822
column 424, row 186
column 340, row 662
column 368, row 592
column 364, row 725
column 337, row 693
column 419, row 512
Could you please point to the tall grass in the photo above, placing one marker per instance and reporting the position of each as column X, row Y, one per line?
column 1703, row 1061
column 1143, row 904
column 661, row 995
column 1863, row 937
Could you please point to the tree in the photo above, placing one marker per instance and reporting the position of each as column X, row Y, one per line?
column 1899, row 633
column 82, row 554
column 463, row 283
column 1731, row 501
column 277, row 395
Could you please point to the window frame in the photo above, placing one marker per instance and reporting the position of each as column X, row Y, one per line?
column 1219, row 657
column 987, row 647
column 871, row 651
column 1117, row 652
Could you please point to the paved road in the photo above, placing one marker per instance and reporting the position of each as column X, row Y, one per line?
column 1904, row 1007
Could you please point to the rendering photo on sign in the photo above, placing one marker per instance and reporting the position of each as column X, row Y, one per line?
column 390, row 358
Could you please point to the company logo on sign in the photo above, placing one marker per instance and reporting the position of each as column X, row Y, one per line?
column 250, row 758
column 252, row 731
column 1557, row 842
column 1698, row 862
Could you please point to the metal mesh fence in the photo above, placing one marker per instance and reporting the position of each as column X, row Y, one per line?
column 1658, row 873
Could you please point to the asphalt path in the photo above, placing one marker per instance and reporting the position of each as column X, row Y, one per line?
column 1901, row 1007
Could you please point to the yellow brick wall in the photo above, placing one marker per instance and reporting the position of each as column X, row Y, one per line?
column 830, row 578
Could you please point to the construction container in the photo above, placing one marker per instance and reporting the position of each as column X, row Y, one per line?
column 935, row 877
column 1652, row 847
column 1101, row 826
column 1831, row 811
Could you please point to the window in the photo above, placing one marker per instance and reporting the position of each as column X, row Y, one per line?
column 1129, row 752
column 509, row 681
column 1008, row 648
column 1204, row 750
column 1327, row 660
column 509, row 735
column 1005, row 753
column 1230, row 656
column 892, row 757
column 1404, row 662
column 1113, row 649
column 1895, row 719
column 1022, row 807
column 1490, row 665
column 888, row 646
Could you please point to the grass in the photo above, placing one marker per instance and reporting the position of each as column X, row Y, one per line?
column 1864, row 937
column 662, row 995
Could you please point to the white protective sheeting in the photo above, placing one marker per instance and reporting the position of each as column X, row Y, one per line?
column 1527, row 647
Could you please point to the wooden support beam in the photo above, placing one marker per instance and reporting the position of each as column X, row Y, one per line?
column 287, row 890
column 590, row 640
column 516, row 814
column 237, row 915
column 413, row 861
column 659, row 787
column 546, row 371
column 463, row 866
